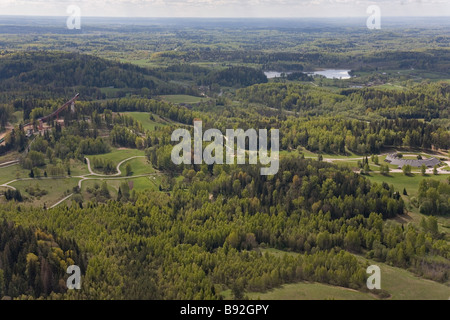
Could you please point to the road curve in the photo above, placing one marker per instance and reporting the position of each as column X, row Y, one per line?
column 6, row 186
column 117, row 168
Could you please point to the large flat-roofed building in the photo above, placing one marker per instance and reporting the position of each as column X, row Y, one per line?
column 400, row 162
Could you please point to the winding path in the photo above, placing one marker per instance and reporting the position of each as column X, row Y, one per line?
column 85, row 177
column 116, row 176
column 109, row 175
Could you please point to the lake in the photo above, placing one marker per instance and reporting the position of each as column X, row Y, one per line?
column 274, row 74
column 333, row 73
column 328, row 73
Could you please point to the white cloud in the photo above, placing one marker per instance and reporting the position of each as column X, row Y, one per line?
column 227, row 8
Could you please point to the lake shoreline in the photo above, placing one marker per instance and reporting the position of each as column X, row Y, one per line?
column 340, row 74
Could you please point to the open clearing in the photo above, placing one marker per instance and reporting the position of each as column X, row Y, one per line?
column 57, row 189
column 139, row 184
column 400, row 181
column 144, row 119
column 116, row 156
column 311, row 291
column 138, row 166
column 182, row 98
column 401, row 284
column 13, row 172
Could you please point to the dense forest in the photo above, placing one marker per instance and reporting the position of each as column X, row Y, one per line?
column 66, row 73
column 339, row 135
column 427, row 100
column 197, row 231
column 31, row 74
column 236, row 76
column 434, row 197
column 190, row 245
column 327, row 135
column 436, row 59
column 33, row 262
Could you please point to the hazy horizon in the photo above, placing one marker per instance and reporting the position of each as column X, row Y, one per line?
column 226, row 8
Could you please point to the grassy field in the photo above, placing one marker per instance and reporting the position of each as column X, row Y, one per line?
column 12, row 172
column 401, row 284
column 400, row 181
column 139, row 184
column 56, row 188
column 390, row 86
column 182, row 98
column 353, row 164
column 144, row 63
column 59, row 188
column 112, row 187
column 110, row 92
column 118, row 155
column 313, row 155
column 144, row 119
column 139, row 166
column 10, row 156
column 311, row 291
column 411, row 184
column 78, row 168
column 147, row 183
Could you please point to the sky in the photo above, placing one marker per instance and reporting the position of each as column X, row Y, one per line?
column 226, row 8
